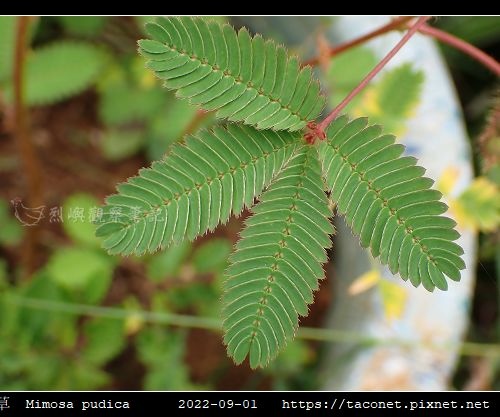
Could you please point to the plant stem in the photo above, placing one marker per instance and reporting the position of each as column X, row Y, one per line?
column 195, row 122
column 392, row 25
column 335, row 112
column 26, row 150
column 213, row 324
column 402, row 22
column 488, row 61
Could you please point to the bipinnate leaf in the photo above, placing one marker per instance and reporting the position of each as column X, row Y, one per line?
column 243, row 78
column 278, row 262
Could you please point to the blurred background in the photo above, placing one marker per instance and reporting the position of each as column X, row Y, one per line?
column 74, row 318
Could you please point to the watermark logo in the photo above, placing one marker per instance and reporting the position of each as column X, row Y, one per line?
column 32, row 216
column 28, row 216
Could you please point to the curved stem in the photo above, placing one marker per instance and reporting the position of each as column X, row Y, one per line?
column 392, row 25
column 488, row 61
column 335, row 112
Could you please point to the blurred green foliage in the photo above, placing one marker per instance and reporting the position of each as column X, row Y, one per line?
column 7, row 45
column 61, row 70
column 478, row 31
column 86, row 26
column 11, row 231
column 78, row 226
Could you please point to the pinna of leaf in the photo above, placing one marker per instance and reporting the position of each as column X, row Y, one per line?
column 263, row 155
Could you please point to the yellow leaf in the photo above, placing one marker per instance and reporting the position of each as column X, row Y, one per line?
column 461, row 217
column 133, row 324
column 364, row 282
column 478, row 207
column 134, row 321
column 393, row 299
column 148, row 80
column 447, row 180
column 484, row 188
column 370, row 102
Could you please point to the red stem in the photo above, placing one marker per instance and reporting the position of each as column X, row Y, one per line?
column 27, row 152
column 335, row 112
column 195, row 122
column 457, row 43
column 21, row 124
column 392, row 25
column 463, row 46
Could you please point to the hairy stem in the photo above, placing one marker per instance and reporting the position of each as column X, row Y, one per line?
column 335, row 112
column 27, row 152
column 195, row 122
column 403, row 22
column 397, row 23
column 488, row 61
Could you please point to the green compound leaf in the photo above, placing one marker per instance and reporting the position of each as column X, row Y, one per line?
column 389, row 204
column 199, row 185
column 245, row 79
column 277, row 263
column 60, row 70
